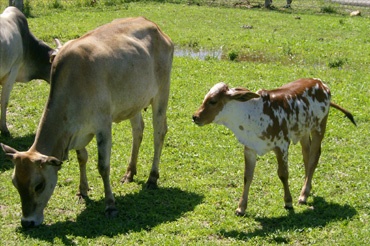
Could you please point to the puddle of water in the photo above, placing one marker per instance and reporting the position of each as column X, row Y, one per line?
column 202, row 54
column 219, row 54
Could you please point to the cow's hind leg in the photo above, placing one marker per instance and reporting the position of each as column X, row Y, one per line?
column 104, row 142
column 137, row 125
column 159, row 106
column 311, row 160
column 283, row 173
column 82, row 157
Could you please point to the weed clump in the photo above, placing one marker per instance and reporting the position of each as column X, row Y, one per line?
column 233, row 55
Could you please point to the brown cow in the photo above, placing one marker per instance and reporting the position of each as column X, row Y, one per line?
column 22, row 57
column 270, row 120
column 108, row 75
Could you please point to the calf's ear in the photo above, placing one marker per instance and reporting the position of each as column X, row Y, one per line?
column 9, row 151
column 241, row 94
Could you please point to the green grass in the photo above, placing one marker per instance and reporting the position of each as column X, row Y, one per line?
column 202, row 168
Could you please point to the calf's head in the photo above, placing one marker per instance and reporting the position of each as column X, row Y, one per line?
column 215, row 100
column 35, row 177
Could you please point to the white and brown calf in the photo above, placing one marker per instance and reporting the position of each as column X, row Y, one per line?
column 271, row 120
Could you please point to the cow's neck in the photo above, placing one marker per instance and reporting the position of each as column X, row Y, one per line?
column 247, row 124
column 51, row 138
column 37, row 58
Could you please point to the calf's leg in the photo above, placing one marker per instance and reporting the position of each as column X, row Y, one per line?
column 137, row 125
column 306, row 146
column 249, row 165
column 283, row 173
column 314, row 155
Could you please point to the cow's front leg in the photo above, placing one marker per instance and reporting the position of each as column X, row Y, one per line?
column 5, row 94
column 137, row 125
column 250, row 164
column 283, row 173
column 82, row 157
column 104, row 142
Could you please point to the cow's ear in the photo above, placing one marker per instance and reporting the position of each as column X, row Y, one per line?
column 52, row 56
column 9, row 151
column 241, row 94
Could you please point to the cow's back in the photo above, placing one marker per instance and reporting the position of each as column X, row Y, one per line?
column 296, row 110
column 117, row 69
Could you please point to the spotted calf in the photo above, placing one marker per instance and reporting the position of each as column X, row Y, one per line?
column 271, row 120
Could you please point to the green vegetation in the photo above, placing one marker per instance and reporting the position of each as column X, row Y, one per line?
column 202, row 168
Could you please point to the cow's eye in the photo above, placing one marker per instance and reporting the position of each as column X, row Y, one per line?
column 40, row 187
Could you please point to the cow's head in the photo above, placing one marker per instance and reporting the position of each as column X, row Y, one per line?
column 35, row 177
column 216, row 99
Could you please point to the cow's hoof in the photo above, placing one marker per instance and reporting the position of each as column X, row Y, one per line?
column 111, row 212
column 82, row 198
column 5, row 134
column 151, row 185
column 288, row 207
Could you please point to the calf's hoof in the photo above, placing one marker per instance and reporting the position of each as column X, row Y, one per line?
column 302, row 201
column 239, row 212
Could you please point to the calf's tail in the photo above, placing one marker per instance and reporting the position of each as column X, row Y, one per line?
column 346, row 112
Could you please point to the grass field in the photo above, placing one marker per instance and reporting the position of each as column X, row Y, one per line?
column 202, row 168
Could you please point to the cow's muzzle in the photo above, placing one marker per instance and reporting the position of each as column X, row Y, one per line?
column 28, row 223
column 196, row 120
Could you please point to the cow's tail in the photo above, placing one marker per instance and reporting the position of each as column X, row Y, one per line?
column 346, row 112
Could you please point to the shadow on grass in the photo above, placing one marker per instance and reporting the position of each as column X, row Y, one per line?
column 137, row 212
column 22, row 143
column 322, row 214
